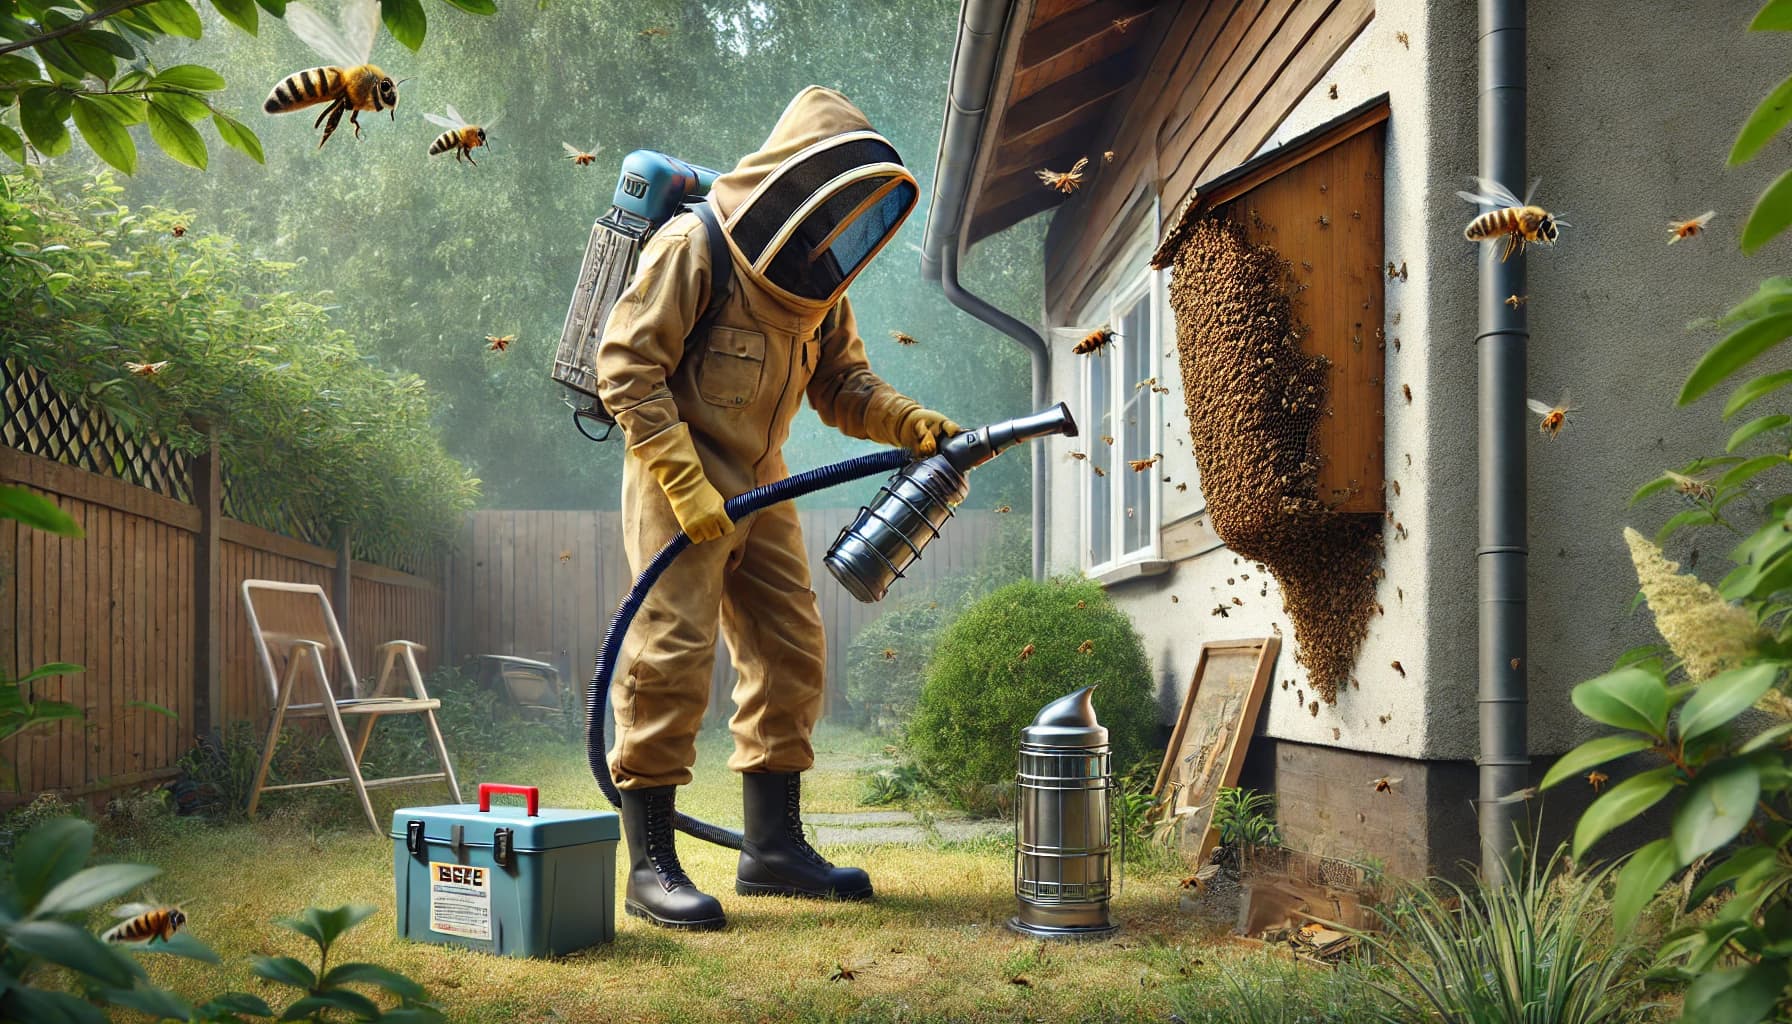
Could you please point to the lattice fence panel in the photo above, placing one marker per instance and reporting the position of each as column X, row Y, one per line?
column 38, row 420
column 254, row 500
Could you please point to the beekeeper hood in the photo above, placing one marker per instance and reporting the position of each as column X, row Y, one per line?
column 809, row 209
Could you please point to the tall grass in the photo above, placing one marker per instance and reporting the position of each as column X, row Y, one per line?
column 1535, row 951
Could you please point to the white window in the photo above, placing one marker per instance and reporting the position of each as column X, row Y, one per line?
column 1121, row 508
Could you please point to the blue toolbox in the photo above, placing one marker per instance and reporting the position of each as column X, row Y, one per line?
column 522, row 882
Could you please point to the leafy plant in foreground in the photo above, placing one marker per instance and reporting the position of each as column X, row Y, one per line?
column 326, row 988
column 1727, row 781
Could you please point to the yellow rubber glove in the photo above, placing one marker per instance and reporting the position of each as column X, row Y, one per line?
column 921, row 430
column 672, row 459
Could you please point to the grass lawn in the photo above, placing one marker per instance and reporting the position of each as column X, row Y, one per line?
column 932, row 946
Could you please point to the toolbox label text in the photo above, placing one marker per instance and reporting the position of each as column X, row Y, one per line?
column 460, row 900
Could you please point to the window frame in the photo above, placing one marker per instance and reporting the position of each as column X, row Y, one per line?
column 1132, row 281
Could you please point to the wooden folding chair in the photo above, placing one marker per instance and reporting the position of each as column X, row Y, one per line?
column 296, row 635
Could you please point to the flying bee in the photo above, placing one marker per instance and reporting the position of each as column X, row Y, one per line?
column 1148, row 382
column 1141, row 465
column 1403, row 39
column 1094, row 341
column 1107, row 156
column 1079, row 456
column 461, row 137
column 1406, row 389
column 1516, row 301
column 1555, row 417
column 178, row 230
column 904, row 339
column 1516, row 220
column 1400, row 669
column 1692, row 487
column 146, row 369
column 1064, row 181
column 499, row 343
column 1107, row 439
column 889, row 654
column 1099, row 471
column 581, row 157
column 1026, row 652
column 1597, row 780
column 565, row 556
column 1086, row 647
column 1004, row 509
column 1385, row 784
column 1198, row 881
column 146, row 922
column 1689, row 228
column 655, row 32
column 1182, row 487
column 348, row 85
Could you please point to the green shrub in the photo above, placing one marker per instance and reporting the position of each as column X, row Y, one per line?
column 1270, row 989
column 1009, row 655
column 886, row 662
column 303, row 420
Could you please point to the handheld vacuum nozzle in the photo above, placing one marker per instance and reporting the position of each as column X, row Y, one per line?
column 872, row 552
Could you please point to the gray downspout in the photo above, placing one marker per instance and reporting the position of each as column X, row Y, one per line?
column 1502, row 555
column 1030, row 340
column 981, row 24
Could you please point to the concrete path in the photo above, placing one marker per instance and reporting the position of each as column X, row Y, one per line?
column 866, row 828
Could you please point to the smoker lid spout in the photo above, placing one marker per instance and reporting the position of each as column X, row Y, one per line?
column 1068, row 721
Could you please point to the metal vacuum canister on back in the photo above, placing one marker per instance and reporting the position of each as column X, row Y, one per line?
column 1063, row 867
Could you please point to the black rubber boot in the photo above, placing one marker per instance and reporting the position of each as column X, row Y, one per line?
column 658, row 889
column 775, row 859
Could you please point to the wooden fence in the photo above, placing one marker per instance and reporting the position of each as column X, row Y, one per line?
column 544, row 585
column 148, row 603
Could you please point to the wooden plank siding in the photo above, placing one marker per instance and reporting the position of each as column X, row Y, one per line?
column 122, row 603
column 537, row 605
column 1223, row 77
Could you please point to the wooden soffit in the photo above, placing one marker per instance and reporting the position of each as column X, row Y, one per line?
column 1055, row 91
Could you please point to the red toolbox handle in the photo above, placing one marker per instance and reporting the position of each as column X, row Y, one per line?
column 530, row 793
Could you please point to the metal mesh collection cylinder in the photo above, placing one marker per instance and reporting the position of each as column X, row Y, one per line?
column 871, row 553
column 1063, row 865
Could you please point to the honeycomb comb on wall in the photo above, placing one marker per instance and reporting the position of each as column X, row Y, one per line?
column 1254, row 399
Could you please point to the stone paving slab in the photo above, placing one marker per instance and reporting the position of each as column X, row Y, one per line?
column 867, row 828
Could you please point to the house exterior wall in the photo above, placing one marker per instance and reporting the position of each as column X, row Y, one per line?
column 1632, row 111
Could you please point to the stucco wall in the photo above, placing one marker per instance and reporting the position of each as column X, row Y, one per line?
column 1632, row 111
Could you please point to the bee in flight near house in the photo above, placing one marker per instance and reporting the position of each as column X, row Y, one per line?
column 1094, row 341
column 1555, row 417
column 1516, row 220
column 1004, row 509
column 1692, row 486
column 178, row 230
column 1689, row 228
column 581, row 157
column 461, row 137
column 146, row 922
column 1385, row 784
column 903, row 339
column 1141, row 465
column 1064, row 181
column 146, row 369
column 349, row 85
column 1199, row 880
column 499, row 343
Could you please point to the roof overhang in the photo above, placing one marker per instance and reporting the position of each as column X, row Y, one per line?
column 1034, row 83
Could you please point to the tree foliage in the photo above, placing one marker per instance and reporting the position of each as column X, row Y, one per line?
column 428, row 257
column 89, row 63
column 182, row 338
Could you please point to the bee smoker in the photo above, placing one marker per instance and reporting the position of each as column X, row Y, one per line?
column 1063, row 804
column 872, row 552
column 652, row 188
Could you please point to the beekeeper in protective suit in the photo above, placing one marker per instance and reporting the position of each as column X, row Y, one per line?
column 705, row 417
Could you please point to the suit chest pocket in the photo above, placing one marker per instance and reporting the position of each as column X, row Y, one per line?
column 733, row 367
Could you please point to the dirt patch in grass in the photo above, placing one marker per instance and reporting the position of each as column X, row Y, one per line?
column 933, row 946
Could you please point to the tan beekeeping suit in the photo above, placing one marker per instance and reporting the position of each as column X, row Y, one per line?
column 729, row 397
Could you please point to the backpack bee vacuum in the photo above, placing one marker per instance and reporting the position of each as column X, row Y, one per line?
column 870, row 553
column 653, row 187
